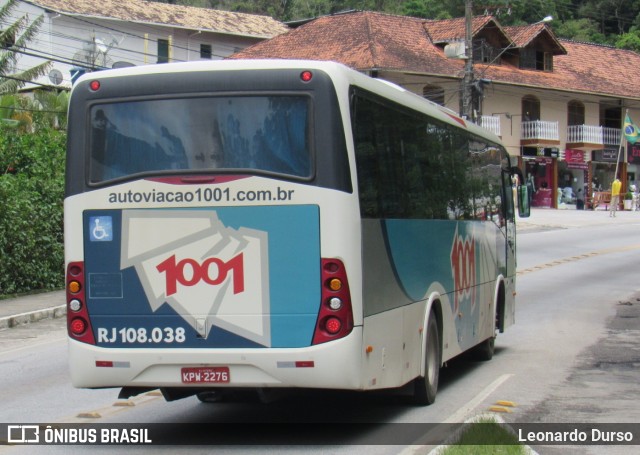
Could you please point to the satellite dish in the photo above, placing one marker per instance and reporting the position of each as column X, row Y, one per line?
column 55, row 76
column 93, row 55
column 87, row 58
column 100, row 46
column 455, row 50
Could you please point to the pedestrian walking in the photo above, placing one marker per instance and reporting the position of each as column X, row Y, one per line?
column 615, row 197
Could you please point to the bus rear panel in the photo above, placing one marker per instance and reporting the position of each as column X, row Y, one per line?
column 195, row 210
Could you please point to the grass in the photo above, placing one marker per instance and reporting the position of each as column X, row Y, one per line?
column 484, row 437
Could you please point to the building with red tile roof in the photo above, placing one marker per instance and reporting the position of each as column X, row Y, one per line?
column 543, row 95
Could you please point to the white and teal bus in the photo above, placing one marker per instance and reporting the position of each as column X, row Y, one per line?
column 278, row 224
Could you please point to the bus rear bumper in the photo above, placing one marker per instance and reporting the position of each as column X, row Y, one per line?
column 332, row 365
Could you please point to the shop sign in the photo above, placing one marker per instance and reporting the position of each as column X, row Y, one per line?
column 574, row 156
column 633, row 154
column 575, row 159
column 539, row 160
column 549, row 152
column 606, row 155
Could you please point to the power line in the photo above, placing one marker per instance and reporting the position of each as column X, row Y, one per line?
column 24, row 109
column 13, row 78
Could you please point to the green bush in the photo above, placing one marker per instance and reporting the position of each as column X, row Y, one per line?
column 31, row 211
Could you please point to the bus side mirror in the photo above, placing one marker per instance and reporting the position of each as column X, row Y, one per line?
column 523, row 201
column 522, row 192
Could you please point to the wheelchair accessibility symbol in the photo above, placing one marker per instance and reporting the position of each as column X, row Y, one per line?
column 100, row 229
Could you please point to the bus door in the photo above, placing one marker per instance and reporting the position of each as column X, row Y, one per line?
column 507, row 317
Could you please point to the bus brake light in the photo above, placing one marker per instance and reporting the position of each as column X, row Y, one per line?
column 333, row 325
column 78, row 325
column 335, row 318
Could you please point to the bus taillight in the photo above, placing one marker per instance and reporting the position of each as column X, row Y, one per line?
column 335, row 318
column 332, row 325
column 78, row 325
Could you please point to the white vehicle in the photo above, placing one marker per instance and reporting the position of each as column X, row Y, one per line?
column 275, row 224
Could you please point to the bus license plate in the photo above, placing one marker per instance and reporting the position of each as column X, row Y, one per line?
column 205, row 375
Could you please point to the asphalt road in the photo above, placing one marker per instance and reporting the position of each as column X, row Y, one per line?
column 602, row 388
column 571, row 357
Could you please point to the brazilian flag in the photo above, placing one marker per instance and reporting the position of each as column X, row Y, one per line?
column 630, row 130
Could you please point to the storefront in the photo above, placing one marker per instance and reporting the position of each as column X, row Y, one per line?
column 603, row 169
column 573, row 178
column 540, row 170
column 633, row 165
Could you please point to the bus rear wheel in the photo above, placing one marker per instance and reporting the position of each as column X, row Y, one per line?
column 426, row 387
column 484, row 351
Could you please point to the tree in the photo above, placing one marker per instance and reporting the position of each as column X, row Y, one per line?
column 585, row 30
column 51, row 109
column 13, row 41
column 604, row 21
column 532, row 11
column 630, row 41
column 433, row 9
column 614, row 16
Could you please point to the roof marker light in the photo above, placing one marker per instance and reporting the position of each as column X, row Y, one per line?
column 306, row 76
column 94, row 85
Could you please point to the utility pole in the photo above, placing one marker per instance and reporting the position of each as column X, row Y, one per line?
column 466, row 101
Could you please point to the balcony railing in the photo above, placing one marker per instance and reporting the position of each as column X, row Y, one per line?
column 611, row 136
column 491, row 123
column 539, row 129
column 590, row 134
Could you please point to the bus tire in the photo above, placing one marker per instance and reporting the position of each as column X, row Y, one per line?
column 425, row 387
column 210, row 396
column 484, row 351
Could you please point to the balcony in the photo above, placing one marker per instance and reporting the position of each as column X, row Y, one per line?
column 611, row 136
column 592, row 137
column 490, row 123
column 539, row 132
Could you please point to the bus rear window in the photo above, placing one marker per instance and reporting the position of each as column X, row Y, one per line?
column 239, row 133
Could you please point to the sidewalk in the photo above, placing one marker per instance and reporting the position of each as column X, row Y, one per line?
column 32, row 308
column 568, row 218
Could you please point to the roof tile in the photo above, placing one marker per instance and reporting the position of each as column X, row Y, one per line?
column 166, row 14
column 448, row 30
column 367, row 40
column 362, row 40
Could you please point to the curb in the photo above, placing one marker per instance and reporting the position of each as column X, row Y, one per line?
column 54, row 312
